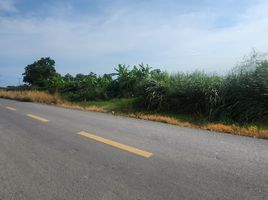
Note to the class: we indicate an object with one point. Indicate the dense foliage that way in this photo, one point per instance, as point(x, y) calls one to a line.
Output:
point(241, 96)
point(38, 72)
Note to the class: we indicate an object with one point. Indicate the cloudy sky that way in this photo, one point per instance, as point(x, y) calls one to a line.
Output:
point(96, 35)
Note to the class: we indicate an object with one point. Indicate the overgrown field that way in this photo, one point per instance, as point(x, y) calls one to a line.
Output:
point(239, 97)
point(127, 107)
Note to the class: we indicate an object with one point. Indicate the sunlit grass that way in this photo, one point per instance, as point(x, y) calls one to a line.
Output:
point(30, 96)
point(127, 107)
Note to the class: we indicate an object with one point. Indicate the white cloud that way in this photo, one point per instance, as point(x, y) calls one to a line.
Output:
point(183, 42)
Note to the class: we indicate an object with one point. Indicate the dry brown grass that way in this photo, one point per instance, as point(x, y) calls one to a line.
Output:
point(251, 131)
point(77, 107)
point(164, 119)
point(32, 96)
point(43, 97)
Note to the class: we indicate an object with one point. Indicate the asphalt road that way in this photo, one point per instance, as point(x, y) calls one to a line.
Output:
point(45, 155)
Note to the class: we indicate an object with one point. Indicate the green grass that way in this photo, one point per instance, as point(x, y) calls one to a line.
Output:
point(119, 105)
point(128, 105)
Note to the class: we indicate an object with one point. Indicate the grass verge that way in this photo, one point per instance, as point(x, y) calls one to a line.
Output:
point(125, 107)
point(46, 98)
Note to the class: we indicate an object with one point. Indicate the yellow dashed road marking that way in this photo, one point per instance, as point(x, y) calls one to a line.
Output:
point(38, 118)
point(124, 147)
point(11, 108)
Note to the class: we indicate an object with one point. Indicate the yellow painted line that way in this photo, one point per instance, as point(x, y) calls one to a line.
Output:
point(11, 108)
point(118, 145)
point(38, 118)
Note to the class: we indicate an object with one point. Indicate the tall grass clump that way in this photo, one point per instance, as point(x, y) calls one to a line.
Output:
point(245, 93)
point(196, 93)
point(155, 91)
point(238, 97)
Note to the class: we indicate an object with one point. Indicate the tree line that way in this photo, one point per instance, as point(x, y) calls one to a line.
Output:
point(240, 96)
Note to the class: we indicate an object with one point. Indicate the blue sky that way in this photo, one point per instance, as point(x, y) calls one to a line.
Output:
point(96, 35)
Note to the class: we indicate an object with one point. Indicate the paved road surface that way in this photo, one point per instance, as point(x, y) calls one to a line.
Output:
point(45, 155)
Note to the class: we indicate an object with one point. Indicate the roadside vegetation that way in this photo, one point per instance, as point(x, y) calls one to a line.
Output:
point(234, 103)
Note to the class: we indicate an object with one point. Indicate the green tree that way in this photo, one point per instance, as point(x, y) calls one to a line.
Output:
point(39, 72)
